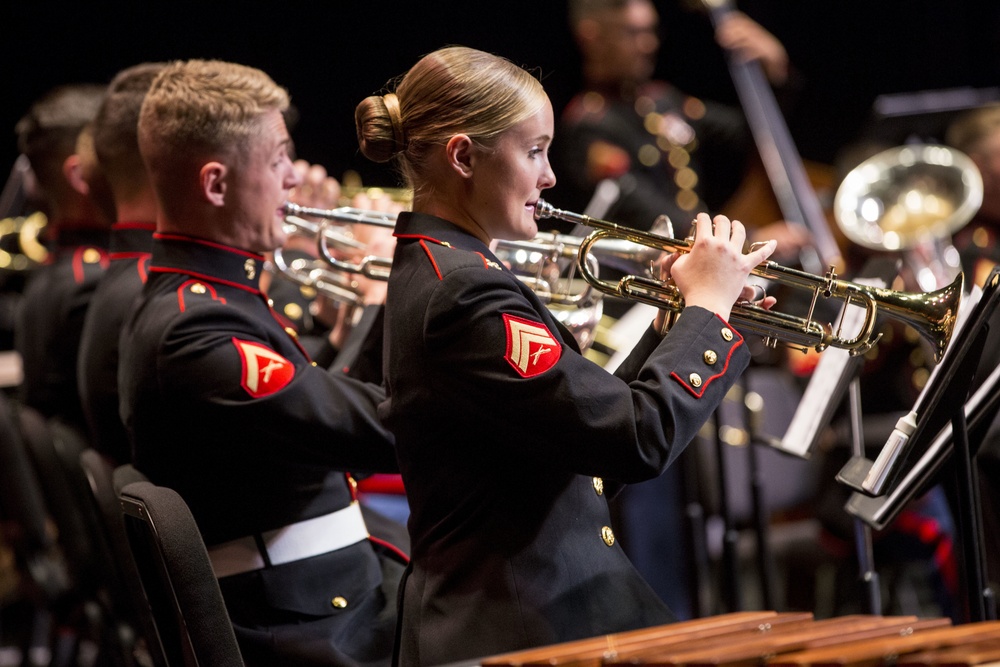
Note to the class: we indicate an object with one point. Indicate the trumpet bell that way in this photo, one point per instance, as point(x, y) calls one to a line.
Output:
point(904, 195)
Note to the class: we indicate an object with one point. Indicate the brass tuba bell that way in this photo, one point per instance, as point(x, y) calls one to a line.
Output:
point(912, 198)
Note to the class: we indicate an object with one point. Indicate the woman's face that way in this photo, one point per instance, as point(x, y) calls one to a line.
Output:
point(508, 180)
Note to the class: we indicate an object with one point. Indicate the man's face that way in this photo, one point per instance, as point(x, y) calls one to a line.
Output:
point(627, 42)
point(262, 178)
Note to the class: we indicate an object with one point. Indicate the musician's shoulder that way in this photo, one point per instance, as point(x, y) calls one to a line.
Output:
point(445, 259)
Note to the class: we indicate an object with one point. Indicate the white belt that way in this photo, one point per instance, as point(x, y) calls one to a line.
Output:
point(312, 537)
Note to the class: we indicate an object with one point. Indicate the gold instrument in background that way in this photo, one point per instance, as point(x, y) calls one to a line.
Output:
point(912, 198)
point(351, 186)
point(931, 314)
point(20, 247)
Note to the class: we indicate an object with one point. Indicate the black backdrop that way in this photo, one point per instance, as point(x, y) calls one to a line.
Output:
point(330, 54)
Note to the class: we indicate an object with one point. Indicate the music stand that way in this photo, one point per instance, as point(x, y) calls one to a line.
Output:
point(946, 402)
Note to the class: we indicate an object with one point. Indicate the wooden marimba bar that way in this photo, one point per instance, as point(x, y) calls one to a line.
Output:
point(771, 639)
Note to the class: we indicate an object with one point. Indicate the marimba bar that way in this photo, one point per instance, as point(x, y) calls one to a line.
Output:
point(759, 639)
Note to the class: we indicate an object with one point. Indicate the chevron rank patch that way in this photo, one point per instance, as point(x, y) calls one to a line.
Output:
point(264, 370)
point(531, 349)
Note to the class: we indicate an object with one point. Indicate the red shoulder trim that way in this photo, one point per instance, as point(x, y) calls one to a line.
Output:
point(190, 284)
point(78, 261)
point(423, 244)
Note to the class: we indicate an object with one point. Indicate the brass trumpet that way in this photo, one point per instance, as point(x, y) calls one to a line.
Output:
point(932, 314)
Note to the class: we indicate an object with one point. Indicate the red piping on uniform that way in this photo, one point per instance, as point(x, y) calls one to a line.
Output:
point(142, 266)
point(420, 237)
point(729, 356)
point(78, 261)
point(391, 547)
point(136, 254)
point(211, 244)
point(486, 262)
point(180, 293)
point(427, 250)
point(206, 278)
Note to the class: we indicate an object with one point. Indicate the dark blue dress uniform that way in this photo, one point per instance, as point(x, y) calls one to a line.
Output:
point(50, 322)
point(505, 434)
point(97, 369)
point(670, 153)
point(222, 404)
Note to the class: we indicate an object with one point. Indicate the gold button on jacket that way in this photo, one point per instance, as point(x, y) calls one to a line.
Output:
point(608, 536)
point(710, 357)
point(727, 335)
point(599, 485)
point(695, 380)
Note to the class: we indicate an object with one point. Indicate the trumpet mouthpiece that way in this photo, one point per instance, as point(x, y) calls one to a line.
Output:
point(543, 209)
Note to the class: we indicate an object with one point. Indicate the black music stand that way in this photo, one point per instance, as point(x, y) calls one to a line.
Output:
point(945, 401)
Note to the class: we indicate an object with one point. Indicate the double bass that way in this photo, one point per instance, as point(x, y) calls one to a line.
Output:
point(786, 173)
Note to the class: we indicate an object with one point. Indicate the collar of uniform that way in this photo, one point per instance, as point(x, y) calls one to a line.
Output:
point(131, 238)
point(206, 260)
point(432, 228)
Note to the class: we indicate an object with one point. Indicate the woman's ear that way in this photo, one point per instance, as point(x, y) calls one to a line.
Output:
point(212, 179)
point(459, 150)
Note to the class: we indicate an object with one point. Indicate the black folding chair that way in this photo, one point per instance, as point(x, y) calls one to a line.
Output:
point(192, 623)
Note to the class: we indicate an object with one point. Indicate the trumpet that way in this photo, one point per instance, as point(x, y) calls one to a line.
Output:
point(528, 259)
point(327, 274)
point(931, 314)
point(537, 262)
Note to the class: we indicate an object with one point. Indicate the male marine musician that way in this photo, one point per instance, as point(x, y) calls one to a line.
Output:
point(223, 405)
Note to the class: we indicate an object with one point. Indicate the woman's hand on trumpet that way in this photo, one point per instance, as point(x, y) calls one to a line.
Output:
point(713, 274)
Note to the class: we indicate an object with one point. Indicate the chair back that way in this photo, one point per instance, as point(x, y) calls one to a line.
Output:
point(192, 623)
point(131, 603)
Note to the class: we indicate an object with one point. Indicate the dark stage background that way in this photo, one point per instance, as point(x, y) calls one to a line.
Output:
point(332, 54)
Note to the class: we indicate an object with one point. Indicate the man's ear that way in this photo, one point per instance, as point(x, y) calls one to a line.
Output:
point(72, 170)
point(213, 182)
point(459, 150)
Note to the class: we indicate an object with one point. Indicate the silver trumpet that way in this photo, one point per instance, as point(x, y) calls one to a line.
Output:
point(328, 275)
point(932, 314)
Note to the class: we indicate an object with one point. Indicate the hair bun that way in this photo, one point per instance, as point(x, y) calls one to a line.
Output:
point(396, 119)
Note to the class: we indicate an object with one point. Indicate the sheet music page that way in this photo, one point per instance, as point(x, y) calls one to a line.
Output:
point(817, 404)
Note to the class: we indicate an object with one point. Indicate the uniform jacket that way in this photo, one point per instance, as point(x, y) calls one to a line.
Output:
point(222, 404)
point(97, 369)
point(651, 145)
point(504, 434)
point(50, 322)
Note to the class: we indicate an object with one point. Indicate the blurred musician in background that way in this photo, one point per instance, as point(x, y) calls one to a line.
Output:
point(50, 321)
point(667, 152)
point(117, 148)
point(504, 431)
point(222, 404)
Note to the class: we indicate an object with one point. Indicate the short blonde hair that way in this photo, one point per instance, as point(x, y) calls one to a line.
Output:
point(205, 106)
point(454, 90)
point(199, 109)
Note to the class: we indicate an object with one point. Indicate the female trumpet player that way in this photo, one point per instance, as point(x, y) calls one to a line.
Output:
point(504, 432)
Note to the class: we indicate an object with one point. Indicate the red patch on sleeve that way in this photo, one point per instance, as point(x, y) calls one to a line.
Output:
point(264, 370)
point(531, 348)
